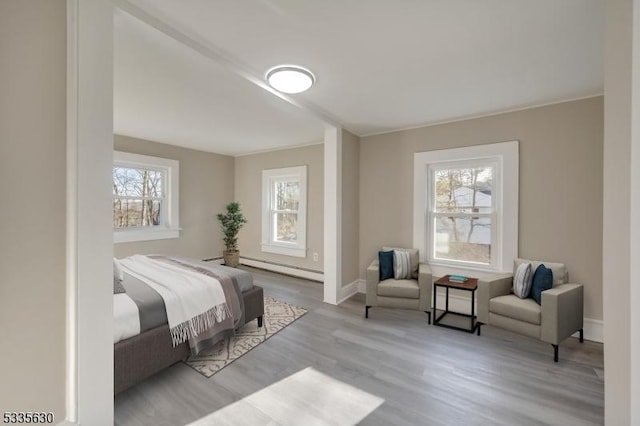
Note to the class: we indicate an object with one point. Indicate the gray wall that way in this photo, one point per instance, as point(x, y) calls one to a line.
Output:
point(560, 204)
point(248, 190)
point(350, 206)
point(206, 186)
point(33, 213)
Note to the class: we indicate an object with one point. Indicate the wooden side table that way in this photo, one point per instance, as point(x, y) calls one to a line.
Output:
point(470, 285)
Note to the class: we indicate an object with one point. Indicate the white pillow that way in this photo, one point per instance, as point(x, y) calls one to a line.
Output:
point(118, 273)
point(522, 281)
point(401, 265)
point(118, 277)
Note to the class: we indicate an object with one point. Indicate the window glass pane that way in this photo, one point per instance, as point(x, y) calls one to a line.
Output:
point(466, 239)
point(464, 190)
point(287, 195)
point(136, 213)
point(286, 227)
point(131, 182)
point(154, 183)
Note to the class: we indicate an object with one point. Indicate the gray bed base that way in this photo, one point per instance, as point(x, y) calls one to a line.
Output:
point(141, 356)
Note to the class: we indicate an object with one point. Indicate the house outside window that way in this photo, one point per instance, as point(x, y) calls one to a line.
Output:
point(466, 207)
point(284, 207)
point(145, 198)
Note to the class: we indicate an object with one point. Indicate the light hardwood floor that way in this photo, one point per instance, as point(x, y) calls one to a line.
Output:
point(426, 375)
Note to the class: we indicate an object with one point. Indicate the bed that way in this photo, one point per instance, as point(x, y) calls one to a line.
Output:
point(144, 344)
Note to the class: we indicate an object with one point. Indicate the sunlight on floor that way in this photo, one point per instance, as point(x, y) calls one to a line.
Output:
point(307, 397)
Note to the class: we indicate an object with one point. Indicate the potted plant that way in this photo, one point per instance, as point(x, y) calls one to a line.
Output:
point(231, 222)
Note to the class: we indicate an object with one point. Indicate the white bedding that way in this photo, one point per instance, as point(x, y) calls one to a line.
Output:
point(194, 301)
point(126, 317)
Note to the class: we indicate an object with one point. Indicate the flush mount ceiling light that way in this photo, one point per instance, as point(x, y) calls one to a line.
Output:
point(290, 78)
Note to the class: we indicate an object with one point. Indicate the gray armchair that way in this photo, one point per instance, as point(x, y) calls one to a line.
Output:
point(556, 318)
point(412, 294)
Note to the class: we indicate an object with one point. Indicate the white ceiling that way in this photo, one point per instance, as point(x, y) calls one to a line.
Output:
point(166, 92)
point(380, 65)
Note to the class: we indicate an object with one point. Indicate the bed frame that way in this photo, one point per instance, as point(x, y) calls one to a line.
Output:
point(141, 356)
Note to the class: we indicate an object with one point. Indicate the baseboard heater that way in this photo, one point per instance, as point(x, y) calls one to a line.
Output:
point(295, 271)
point(281, 268)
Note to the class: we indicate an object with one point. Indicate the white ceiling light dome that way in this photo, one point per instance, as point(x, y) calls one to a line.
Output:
point(290, 78)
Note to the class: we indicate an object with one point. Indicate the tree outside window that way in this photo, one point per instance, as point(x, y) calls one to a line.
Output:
point(138, 197)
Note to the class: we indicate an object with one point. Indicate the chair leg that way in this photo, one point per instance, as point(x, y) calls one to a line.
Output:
point(260, 321)
point(581, 335)
point(555, 352)
point(366, 311)
point(428, 317)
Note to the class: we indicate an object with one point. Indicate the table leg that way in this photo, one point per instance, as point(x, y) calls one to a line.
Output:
point(473, 307)
point(446, 305)
point(435, 287)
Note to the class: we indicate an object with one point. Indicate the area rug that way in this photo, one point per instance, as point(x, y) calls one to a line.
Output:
point(277, 315)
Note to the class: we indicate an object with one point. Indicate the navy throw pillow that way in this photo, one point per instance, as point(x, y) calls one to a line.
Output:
point(385, 259)
point(542, 280)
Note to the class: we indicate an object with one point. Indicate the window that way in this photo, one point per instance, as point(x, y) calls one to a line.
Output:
point(466, 206)
point(462, 211)
point(145, 198)
point(284, 211)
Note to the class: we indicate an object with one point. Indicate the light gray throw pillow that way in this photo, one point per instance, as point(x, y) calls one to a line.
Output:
point(401, 265)
point(522, 281)
point(414, 258)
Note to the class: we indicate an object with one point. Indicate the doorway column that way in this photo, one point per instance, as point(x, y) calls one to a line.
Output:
point(621, 213)
point(332, 213)
point(89, 250)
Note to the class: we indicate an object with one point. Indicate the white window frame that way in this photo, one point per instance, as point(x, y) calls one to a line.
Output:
point(504, 227)
point(170, 226)
point(269, 243)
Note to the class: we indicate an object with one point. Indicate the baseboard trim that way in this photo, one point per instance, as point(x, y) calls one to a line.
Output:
point(349, 290)
point(592, 328)
point(282, 269)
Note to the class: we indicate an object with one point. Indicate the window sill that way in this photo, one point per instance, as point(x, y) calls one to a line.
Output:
point(287, 251)
point(443, 268)
point(145, 235)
